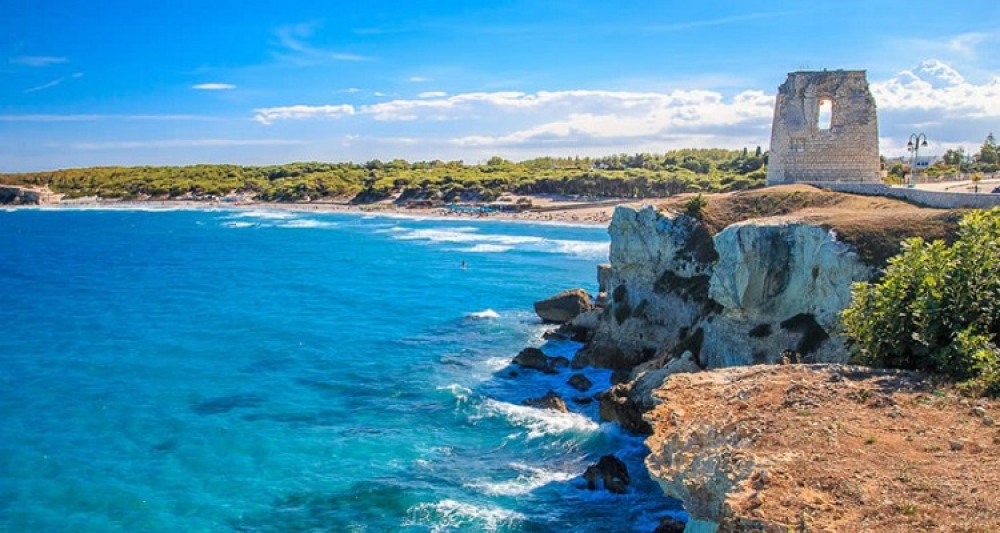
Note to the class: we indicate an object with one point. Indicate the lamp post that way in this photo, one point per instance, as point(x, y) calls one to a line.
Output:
point(913, 146)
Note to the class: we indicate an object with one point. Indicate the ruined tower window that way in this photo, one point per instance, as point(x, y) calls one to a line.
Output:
point(825, 114)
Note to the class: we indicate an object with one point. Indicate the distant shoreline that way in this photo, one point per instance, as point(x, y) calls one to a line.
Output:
point(545, 209)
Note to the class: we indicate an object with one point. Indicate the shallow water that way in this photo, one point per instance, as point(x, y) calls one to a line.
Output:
point(277, 371)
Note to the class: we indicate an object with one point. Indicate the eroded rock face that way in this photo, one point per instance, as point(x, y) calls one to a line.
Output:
point(742, 297)
point(563, 307)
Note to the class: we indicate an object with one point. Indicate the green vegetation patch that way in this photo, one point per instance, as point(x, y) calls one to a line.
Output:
point(936, 308)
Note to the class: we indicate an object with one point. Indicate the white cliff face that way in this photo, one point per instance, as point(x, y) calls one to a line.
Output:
point(755, 290)
point(781, 286)
point(644, 311)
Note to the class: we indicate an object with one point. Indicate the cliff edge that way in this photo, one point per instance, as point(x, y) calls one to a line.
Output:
point(825, 448)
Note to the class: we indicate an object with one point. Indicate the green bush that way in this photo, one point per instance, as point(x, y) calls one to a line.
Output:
point(937, 307)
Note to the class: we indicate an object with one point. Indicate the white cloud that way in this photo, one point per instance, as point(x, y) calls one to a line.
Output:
point(933, 97)
point(181, 143)
point(213, 86)
point(934, 86)
point(37, 61)
point(267, 115)
point(52, 83)
point(966, 44)
point(294, 48)
point(418, 79)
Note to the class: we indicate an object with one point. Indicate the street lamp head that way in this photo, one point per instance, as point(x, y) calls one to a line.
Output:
point(909, 146)
point(924, 143)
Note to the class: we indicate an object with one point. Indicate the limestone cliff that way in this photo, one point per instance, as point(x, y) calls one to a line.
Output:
point(753, 291)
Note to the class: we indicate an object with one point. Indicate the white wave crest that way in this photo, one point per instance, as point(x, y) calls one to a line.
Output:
point(583, 249)
point(487, 249)
point(529, 479)
point(265, 214)
point(449, 515)
point(239, 224)
point(486, 314)
point(495, 243)
point(306, 223)
point(538, 422)
point(458, 391)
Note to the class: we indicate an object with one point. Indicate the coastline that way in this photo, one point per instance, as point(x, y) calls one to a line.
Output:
point(545, 210)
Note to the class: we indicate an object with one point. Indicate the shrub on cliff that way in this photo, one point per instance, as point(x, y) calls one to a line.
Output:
point(937, 307)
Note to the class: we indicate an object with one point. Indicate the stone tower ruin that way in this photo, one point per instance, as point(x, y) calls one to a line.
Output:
point(843, 149)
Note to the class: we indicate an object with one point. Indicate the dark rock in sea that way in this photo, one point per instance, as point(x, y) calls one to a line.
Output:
point(611, 471)
point(532, 358)
point(620, 376)
point(583, 400)
point(580, 382)
point(554, 334)
point(550, 401)
point(617, 405)
point(558, 362)
point(607, 355)
point(669, 524)
point(564, 306)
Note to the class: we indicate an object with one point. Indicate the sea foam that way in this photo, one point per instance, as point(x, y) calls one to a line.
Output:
point(449, 515)
point(538, 422)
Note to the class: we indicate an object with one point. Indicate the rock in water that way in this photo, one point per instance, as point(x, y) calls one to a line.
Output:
point(532, 358)
point(618, 405)
point(611, 471)
point(580, 382)
point(550, 401)
point(564, 306)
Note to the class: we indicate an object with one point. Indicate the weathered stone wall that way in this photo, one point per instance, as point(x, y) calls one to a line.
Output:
point(938, 199)
point(802, 151)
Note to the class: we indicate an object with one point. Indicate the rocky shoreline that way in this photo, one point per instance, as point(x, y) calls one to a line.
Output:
point(685, 295)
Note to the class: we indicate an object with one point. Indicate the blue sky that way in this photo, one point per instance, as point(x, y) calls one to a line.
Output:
point(183, 82)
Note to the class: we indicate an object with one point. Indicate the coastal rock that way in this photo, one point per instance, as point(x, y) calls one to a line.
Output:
point(669, 524)
point(781, 286)
point(742, 297)
point(580, 382)
point(550, 401)
point(608, 355)
point(13, 195)
point(563, 307)
point(612, 474)
point(618, 405)
point(534, 359)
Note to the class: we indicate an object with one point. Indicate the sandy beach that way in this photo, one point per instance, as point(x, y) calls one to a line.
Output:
point(564, 210)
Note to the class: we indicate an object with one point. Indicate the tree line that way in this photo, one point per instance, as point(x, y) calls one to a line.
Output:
point(641, 175)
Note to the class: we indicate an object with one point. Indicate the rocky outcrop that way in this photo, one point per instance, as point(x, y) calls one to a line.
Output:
point(563, 307)
point(551, 401)
point(612, 474)
point(580, 382)
point(12, 195)
point(744, 296)
point(536, 359)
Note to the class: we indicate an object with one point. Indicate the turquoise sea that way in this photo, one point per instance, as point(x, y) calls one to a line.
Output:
point(283, 371)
